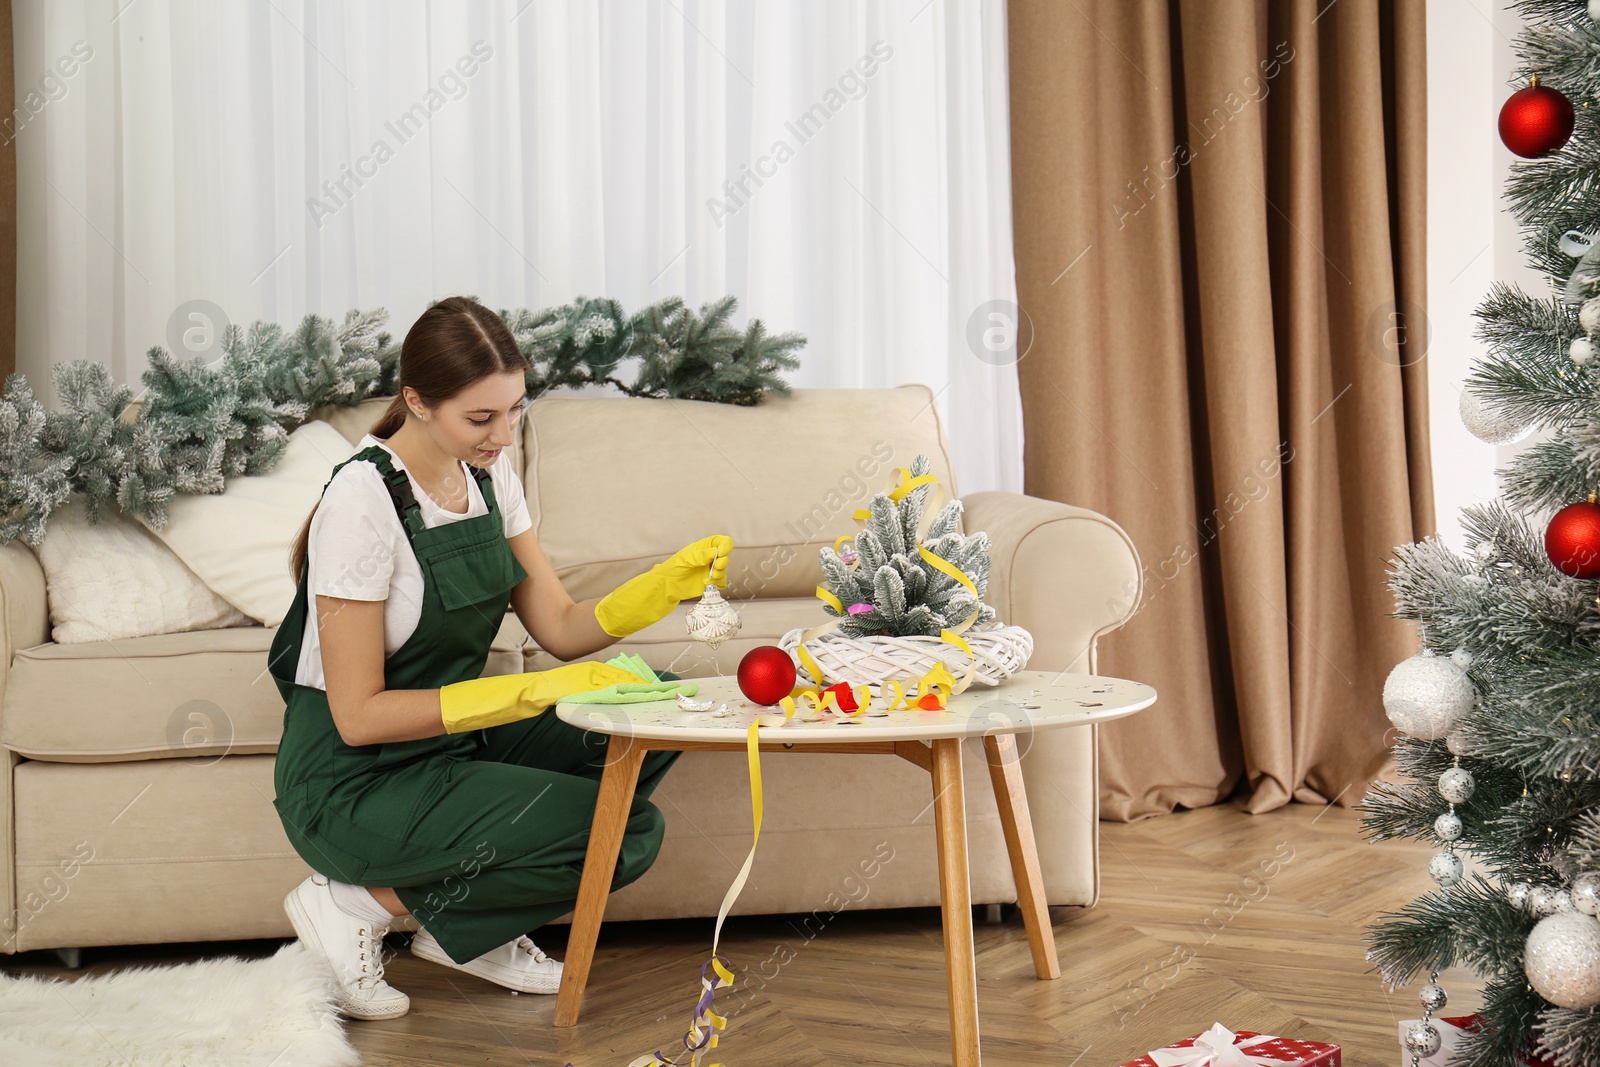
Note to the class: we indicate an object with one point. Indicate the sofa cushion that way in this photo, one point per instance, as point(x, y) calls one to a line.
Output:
point(205, 693)
point(617, 484)
point(238, 540)
point(113, 579)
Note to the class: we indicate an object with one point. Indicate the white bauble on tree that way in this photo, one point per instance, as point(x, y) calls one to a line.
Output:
point(1487, 426)
point(1589, 314)
point(1425, 696)
point(1562, 959)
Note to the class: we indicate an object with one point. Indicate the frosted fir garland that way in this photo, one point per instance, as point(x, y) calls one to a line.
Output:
point(199, 423)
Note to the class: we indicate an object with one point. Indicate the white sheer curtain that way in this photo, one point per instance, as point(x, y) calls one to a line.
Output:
point(843, 169)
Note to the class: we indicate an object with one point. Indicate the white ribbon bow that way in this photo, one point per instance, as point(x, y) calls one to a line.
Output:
point(1585, 279)
point(1217, 1047)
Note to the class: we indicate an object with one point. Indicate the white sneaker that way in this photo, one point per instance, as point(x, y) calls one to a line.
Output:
point(353, 948)
point(519, 964)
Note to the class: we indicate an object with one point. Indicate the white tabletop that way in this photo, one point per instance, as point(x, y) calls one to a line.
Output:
point(1028, 700)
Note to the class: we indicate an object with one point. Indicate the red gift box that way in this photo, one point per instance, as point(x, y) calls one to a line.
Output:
point(1221, 1047)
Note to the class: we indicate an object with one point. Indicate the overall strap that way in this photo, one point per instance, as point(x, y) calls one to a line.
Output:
point(405, 501)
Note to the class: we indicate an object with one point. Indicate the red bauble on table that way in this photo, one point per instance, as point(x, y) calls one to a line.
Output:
point(1536, 121)
point(1572, 540)
point(766, 674)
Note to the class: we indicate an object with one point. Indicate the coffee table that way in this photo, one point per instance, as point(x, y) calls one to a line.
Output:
point(1029, 700)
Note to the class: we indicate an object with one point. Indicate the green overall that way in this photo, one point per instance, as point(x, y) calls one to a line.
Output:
point(481, 834)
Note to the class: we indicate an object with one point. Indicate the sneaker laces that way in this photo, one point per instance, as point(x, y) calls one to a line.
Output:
point(371, 962)
point(525, 943)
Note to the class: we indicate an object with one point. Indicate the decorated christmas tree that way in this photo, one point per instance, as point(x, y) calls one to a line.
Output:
point(1499, 716)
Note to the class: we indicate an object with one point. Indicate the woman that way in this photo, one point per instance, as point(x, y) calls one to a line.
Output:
point(409, 784)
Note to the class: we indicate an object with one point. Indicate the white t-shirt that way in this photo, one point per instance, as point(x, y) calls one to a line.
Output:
point(358, 550)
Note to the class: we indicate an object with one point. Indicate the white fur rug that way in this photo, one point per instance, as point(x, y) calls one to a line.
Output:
point(233, 1011)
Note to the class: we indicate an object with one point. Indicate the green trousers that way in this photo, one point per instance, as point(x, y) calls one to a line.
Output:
point(498, 842)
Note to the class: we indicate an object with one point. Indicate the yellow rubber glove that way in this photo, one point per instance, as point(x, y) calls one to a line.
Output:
point(503, 698)
point(651, 596)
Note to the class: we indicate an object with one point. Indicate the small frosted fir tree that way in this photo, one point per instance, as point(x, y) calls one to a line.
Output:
point(907, 595)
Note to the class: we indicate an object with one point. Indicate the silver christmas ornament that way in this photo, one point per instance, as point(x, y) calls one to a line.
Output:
point(713, 620)
point(1486, 425)
point(1586, 893)
point(1457, 743)
point(1423, 1039)
point(1562, 960)
point(1518, 893)
point(1462, 658)
point(1445, 868)
point(1447, 827)
point(1425, 696)
point(1484, 552)
point(1432, 996)
point(1580, 351)
point(1543, 900)
point(1563, 900)
point(1594, 10)
point(1456, 785)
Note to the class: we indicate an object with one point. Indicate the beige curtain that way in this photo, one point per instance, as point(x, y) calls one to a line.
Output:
point(1219, 215)
point(8, 200)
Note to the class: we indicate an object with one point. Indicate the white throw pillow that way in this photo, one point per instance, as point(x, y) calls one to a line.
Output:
point(111, 580)
point(238, 540)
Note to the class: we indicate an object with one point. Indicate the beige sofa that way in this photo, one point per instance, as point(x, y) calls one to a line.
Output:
point(136, 799)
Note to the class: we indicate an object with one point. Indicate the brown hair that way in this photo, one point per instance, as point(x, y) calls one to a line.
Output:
point(455, 343)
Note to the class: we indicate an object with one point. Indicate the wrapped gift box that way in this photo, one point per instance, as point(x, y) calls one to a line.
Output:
point(1450, 1033)
point(1221, 1047)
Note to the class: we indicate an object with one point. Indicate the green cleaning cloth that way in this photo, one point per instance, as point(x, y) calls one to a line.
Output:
point(653, 688)
point(630, 662)
point(633, 693)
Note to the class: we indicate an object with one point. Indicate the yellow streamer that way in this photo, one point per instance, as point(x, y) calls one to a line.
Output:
point(724, 977)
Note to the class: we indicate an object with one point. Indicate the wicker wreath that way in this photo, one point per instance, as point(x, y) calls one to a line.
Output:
point(1002, 651)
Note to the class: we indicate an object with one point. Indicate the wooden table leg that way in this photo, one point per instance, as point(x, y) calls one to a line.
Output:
point(955, 897)
point(623, 758)
point(1005, 774)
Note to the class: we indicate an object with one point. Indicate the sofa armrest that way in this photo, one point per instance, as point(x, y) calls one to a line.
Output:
point(1066, 575)
point(24, 613)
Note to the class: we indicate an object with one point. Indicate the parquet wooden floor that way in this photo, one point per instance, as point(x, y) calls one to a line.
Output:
point(1205, 916)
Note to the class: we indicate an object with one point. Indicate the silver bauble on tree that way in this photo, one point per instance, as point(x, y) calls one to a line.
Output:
point(1486, 425)
point(1425, 696)
point(1562, 959)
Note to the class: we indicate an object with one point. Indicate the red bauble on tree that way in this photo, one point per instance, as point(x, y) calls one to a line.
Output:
point(1572, 540)
point(1536, 121)
point(766, 674)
